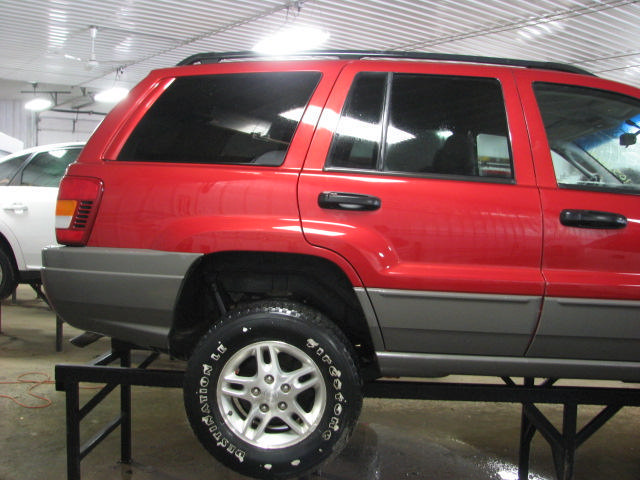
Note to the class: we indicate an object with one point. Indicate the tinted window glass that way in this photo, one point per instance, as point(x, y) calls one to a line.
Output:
point(434, 125)
point(238, 118)
point(447, 125)
point(47, 168)
point(357, 140)
point(9, 168)
point(592, 135)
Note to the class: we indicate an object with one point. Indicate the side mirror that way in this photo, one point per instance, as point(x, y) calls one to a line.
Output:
point(628, 139)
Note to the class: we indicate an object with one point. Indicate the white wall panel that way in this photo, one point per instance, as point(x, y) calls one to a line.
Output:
point(17, 122)
point(55, 127)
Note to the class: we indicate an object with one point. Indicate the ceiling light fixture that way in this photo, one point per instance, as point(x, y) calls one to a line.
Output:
point(38, 104)
point(115, 93)
point(111, 95)
point(291, 40)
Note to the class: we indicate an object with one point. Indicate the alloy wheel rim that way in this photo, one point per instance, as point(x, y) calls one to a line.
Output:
point(271, 394)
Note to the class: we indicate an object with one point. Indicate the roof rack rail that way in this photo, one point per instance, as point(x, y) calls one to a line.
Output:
point(217, 57)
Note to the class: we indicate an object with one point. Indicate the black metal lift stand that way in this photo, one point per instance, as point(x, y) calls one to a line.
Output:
point(563, 442)
point(68, 378)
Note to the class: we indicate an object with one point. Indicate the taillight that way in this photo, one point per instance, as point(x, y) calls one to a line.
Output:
point(78, 200)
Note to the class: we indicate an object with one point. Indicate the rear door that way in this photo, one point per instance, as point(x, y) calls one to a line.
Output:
point(421, 177)
point(587, 160)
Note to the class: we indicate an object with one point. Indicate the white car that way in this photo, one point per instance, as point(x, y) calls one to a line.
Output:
point(29, 182)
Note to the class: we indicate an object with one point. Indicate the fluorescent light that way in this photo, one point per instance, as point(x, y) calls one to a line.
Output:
point(112, 95)
point(38, 104)
point(291, 40)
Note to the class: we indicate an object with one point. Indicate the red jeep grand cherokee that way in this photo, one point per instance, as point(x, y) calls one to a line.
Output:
point(295, 228)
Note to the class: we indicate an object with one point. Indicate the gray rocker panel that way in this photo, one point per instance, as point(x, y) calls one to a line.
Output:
point(399, 364)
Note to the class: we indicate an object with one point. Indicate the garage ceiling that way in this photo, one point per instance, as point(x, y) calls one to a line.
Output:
point(48, 42)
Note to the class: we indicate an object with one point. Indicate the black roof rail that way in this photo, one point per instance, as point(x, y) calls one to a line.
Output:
point(217, 57)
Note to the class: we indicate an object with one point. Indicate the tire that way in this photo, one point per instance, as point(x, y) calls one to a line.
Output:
point(273, 391)
point(8, 275)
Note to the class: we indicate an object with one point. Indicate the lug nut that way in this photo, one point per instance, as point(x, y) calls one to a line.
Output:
point(269, 379)
point(255, 391)
point(264, 408)
point(286, 388)
point(282, 406)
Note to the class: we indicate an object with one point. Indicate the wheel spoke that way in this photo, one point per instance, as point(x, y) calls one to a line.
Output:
point(293, 421)
point(253, 413)
point(263, 366)
point(263, 418)
point(240, 380)
point(296, 375)
point(232, 392)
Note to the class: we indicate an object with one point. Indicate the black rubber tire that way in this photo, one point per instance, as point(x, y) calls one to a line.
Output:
point(295, 329)
point(8, 275)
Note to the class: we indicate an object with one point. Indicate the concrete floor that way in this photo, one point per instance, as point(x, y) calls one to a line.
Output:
point(394, 439)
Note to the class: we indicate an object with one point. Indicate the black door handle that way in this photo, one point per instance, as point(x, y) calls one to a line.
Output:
point(592, 219)
point(348, 201)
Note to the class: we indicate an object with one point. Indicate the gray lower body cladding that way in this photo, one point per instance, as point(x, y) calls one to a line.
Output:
point(131, 295)
point(126, 294)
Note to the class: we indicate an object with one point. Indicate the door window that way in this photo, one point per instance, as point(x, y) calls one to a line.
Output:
point(592, 135)
point(424, 125)
point(357, 140)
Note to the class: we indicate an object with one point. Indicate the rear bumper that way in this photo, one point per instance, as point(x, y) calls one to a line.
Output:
point(126, 294)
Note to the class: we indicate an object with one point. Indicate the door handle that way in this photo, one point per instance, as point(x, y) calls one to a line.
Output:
point(592, 219)
point(17, 207)
point(348, 201)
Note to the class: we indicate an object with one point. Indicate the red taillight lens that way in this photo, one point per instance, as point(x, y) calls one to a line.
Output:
point(78, 200)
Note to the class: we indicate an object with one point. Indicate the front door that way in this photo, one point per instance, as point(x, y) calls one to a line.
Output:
point(589, 174)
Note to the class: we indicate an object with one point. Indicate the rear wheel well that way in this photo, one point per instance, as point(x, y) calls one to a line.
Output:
point(8, 269)
point(6, 247)
point(223, 281)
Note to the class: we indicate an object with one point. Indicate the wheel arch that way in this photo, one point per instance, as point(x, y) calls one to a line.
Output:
point(222, 281)
point(6, 246)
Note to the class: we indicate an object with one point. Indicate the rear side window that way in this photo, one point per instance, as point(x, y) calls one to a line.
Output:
point(592, 135)
point(47, 168)
point(424, 124)
point(227, 119)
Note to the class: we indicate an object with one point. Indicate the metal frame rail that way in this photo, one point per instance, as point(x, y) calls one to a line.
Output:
point(563, 442)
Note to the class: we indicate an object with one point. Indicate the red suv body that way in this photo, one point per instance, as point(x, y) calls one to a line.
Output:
point(445, 217)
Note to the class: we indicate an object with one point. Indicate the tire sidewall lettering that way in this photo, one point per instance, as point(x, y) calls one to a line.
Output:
point(336, 400)
point(205, 406)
